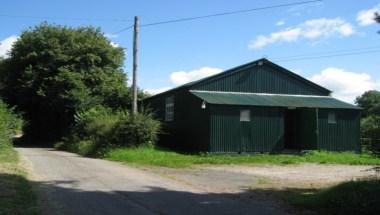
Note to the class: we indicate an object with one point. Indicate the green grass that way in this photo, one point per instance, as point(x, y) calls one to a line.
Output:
point(16, 194)
point(348, 198)
point(161, 157)
point(7, 154)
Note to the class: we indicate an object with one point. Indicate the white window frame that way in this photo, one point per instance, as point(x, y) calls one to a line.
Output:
point(245, 115)
point(169, 108)
point(331, 117)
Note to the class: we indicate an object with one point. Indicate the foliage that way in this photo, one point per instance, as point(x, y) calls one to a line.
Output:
point(370, 123)
point(100, 128)
point(10, 124)
point(135, 130)
point(55, 71)
point(370, 102)
point(93, 129)
point(161, 157)
point(354, 197)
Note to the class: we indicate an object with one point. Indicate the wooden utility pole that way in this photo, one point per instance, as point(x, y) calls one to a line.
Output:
point(134, 78)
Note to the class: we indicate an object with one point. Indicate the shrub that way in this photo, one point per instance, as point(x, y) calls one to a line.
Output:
point(92, 130)
point(370, 129)
point(10, 124)
point(96, 123)
point(136, 130)
point(99, 128)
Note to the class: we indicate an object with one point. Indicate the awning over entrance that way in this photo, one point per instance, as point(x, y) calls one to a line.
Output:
point(274, 100)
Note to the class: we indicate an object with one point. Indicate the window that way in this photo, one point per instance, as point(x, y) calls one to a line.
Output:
point(169, 108)
point(245, 115)
point(331, 118)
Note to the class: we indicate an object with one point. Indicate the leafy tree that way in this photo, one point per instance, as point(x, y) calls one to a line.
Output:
point(370, 102)
point(55, 71)
point(370, 122)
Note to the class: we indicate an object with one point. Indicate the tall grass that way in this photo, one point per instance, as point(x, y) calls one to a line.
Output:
point(348, 198)
point(16, 194)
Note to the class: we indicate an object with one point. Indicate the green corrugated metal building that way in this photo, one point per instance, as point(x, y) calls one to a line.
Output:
point(256, 107)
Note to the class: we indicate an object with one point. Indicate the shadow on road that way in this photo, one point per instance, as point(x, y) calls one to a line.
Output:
point(61, 198)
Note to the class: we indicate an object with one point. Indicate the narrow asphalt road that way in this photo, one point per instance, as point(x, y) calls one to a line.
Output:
point(70, 184)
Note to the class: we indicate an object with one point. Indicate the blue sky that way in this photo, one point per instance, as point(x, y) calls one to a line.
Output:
point(175, 53)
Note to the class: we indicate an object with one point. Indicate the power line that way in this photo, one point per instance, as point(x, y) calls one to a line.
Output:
point(64, 18)
point(327, 52)
point(221, 14)
point(124, 29)
point(328, 56)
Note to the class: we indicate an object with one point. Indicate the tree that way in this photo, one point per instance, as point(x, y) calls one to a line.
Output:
point(370, 102)
point(55, 71)
point(370, 122)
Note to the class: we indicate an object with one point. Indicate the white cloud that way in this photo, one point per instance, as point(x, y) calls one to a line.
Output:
point(6, 45)
point(345, 85)
point(157, 90)
point(311, 29)
point(113, 44)
point(183, 77)
point(367, 17)
point(280, 23)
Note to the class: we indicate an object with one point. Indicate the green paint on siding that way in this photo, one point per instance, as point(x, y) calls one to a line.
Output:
point(263, 133)
point(260, 79)
point(341, 136)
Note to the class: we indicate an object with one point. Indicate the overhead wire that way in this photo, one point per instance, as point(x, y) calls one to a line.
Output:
point(186, 19)
point(327, 56)
point(369, 48)
point(64, 18)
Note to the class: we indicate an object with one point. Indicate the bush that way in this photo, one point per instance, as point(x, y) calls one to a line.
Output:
point(137, 130)
point(370, 129)
point(92, 131)
point(99, 128)
point(10, 124)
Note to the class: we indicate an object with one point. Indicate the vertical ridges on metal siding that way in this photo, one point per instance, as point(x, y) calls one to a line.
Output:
point(260, 79)
point(342, 136)
point(265, 129)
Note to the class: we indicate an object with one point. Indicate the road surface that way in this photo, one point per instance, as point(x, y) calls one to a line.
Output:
point(71, 184)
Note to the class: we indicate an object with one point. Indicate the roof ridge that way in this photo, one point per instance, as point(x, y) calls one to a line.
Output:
point(266, 94)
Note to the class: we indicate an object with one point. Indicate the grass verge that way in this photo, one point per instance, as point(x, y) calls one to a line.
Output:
point(162, 157)
point(348, 198)
point(16, 194)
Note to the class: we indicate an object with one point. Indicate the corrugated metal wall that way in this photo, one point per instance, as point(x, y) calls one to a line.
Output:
point(260, 79)
point(265, 131)
point(262, 134)
point(341, 136)
point(189, 131)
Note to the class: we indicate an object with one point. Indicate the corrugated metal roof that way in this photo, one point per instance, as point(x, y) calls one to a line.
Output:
point(274, 100)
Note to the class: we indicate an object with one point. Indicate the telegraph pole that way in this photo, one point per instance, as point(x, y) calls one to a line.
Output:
point(134, 78)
